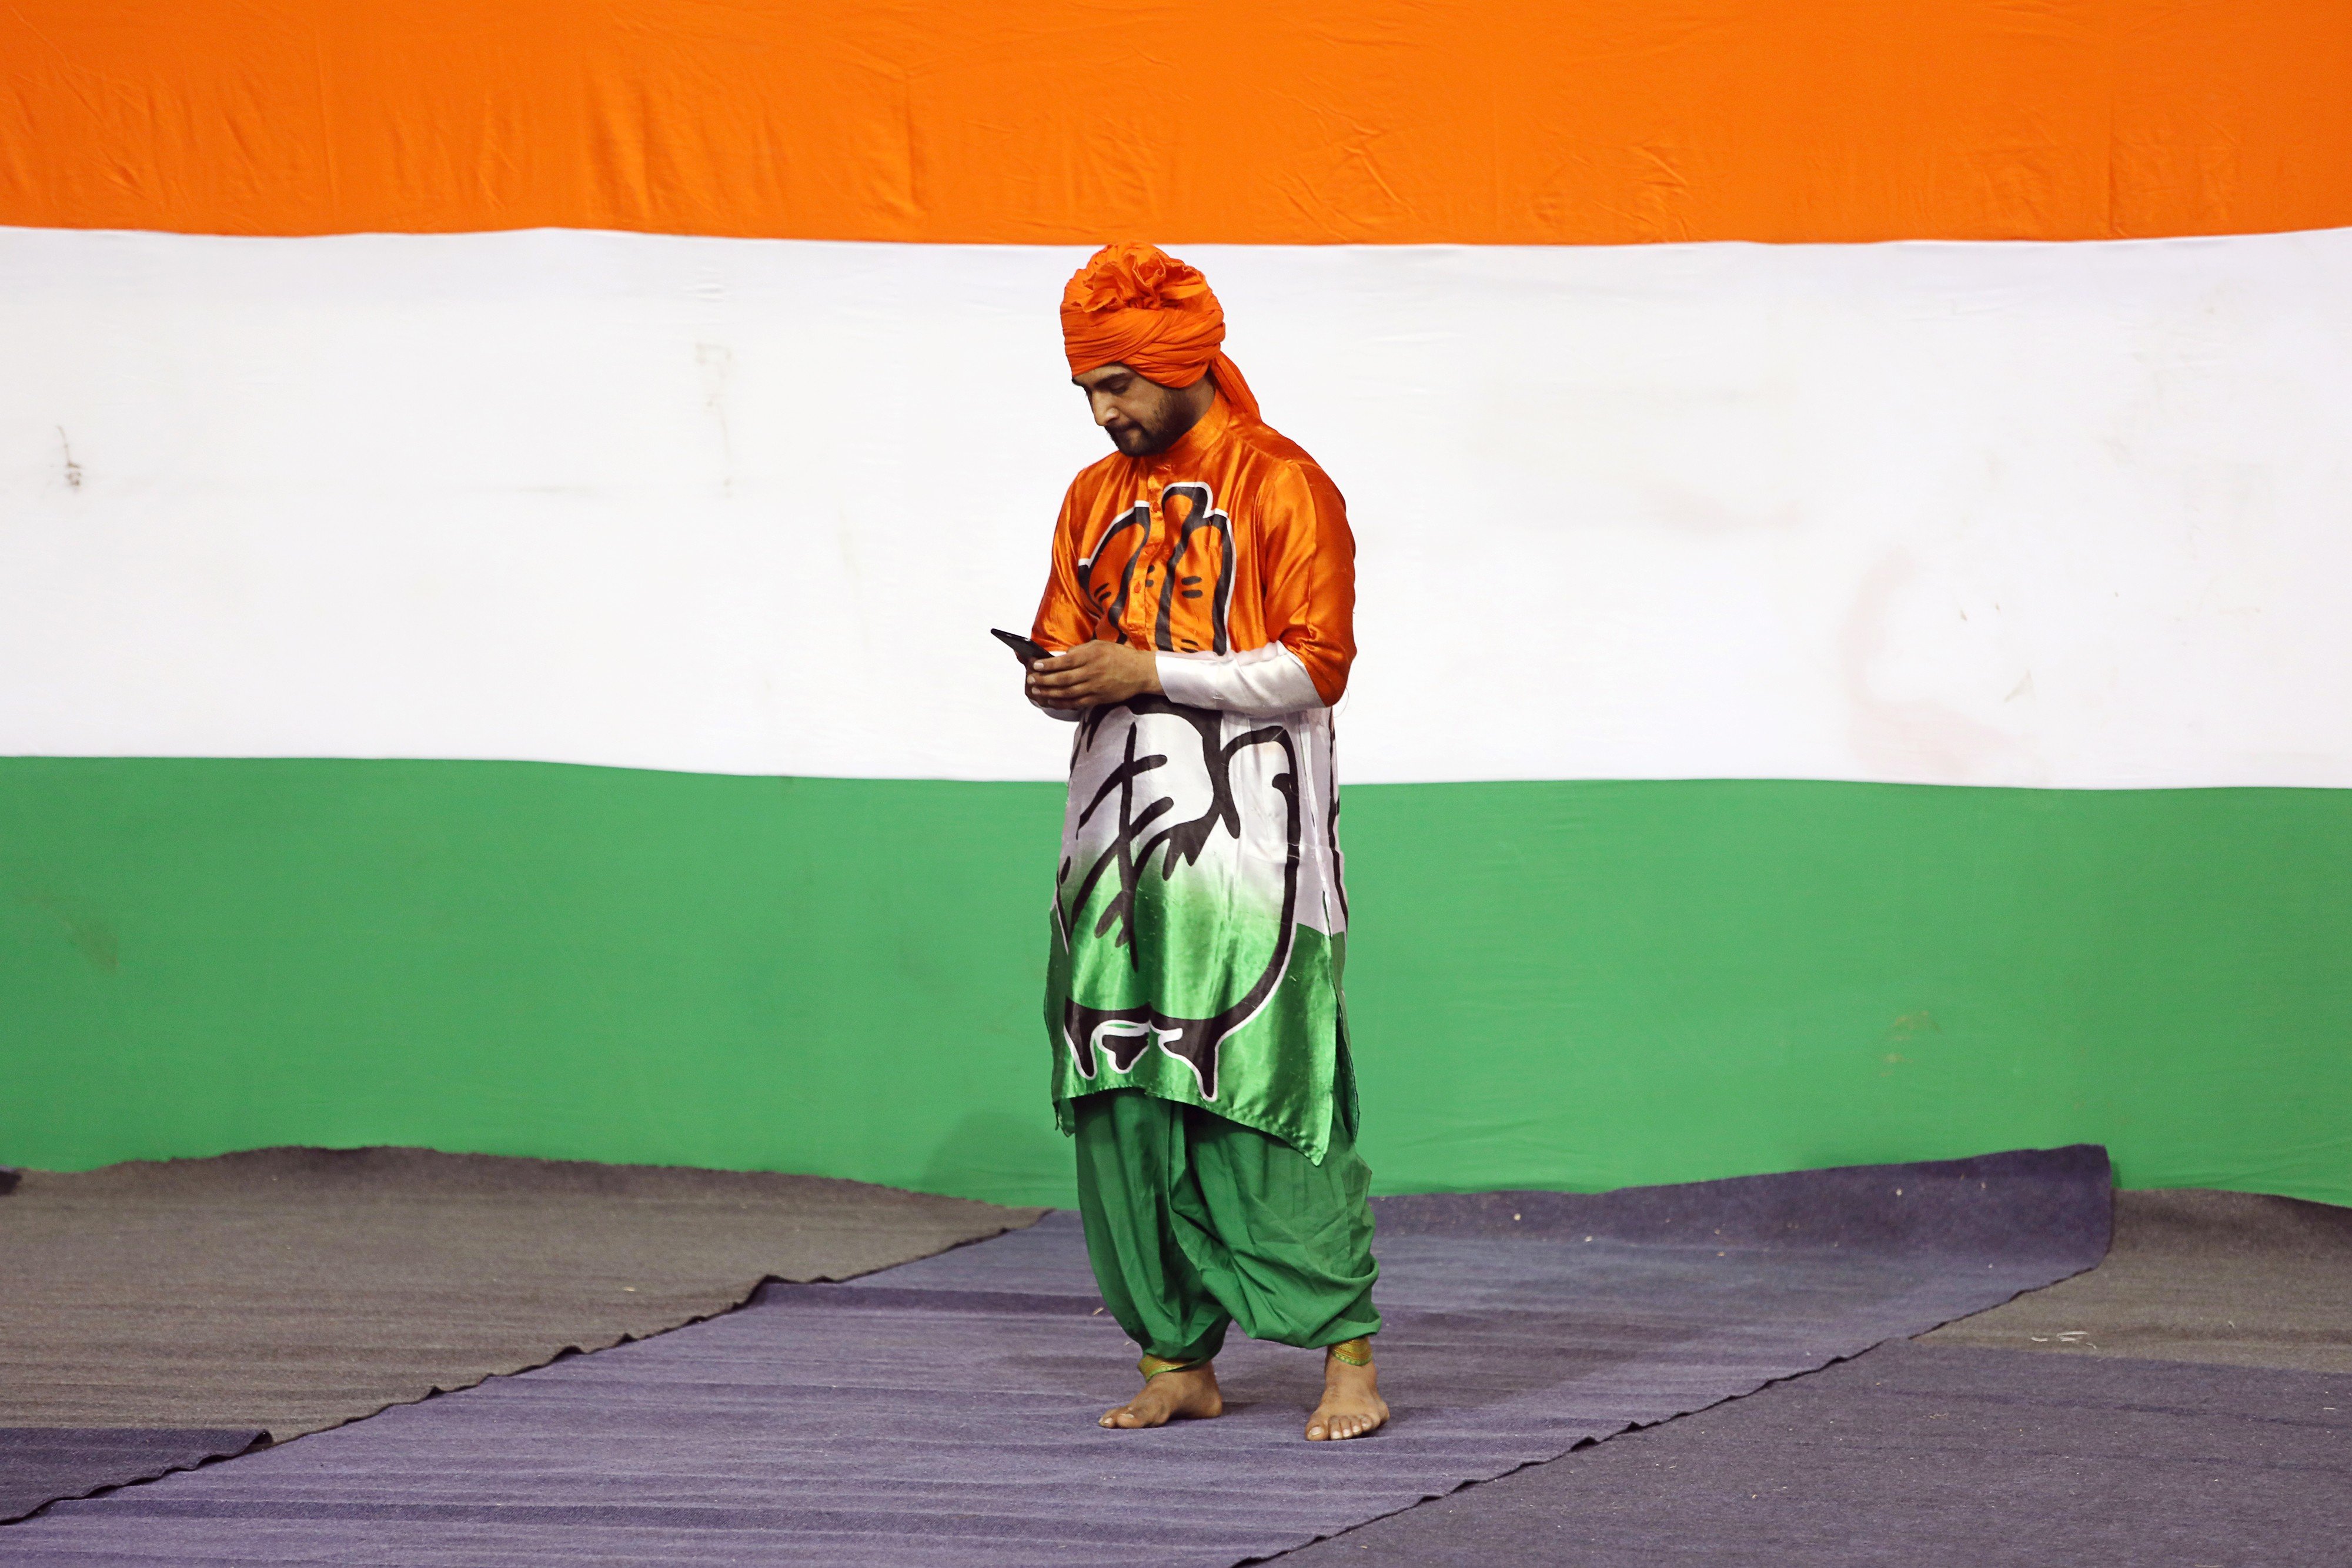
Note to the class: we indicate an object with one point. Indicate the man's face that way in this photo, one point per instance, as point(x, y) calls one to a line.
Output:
point(1139, 416)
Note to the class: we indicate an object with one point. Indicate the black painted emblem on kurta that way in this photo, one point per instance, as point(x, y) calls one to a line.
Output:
point(1139, 832)
point(1199, 516)
point(1182, 577)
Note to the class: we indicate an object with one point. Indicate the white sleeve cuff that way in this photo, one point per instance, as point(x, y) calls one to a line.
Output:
point(1261, 681)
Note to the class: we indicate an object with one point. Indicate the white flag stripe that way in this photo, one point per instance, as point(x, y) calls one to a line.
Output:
point(2056, 515)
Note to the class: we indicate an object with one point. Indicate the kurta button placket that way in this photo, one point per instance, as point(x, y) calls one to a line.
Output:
point(1155, 551)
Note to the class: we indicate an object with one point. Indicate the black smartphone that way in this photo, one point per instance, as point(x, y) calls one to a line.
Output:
point(1025, 651)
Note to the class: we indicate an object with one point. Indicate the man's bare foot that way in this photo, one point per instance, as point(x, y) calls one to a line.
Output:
point(1187, 1396)
point(1351, 1406)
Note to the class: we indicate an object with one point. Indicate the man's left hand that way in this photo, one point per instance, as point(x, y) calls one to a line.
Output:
point(1092, 675)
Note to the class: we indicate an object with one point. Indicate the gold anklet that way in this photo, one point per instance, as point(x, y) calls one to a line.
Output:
point(1152, 1367)
point(1357, 1351)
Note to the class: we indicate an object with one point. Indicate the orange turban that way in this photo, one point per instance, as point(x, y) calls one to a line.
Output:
point(1136, 305)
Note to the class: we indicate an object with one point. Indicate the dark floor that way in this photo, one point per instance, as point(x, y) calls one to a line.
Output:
point(2229, 1278)
point(2188, 1402)
point(1929, 1455)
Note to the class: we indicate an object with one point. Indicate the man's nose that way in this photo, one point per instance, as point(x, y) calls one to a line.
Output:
point(1102, 407)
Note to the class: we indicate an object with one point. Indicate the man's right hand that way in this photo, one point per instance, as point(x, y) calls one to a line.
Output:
point(1092, 675)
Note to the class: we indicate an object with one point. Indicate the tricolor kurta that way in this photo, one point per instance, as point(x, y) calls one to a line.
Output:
point(1199, 921)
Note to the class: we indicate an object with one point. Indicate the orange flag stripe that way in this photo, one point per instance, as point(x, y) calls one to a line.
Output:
point(1392, 121)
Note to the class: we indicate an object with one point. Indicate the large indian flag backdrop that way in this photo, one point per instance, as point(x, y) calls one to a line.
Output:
point(502, 507)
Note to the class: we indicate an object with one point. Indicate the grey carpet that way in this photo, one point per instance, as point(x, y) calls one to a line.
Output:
point(943, 1412)
point(39, 1464)
point(2231, 1278)
point(288, 1289)
point(1928, 1457)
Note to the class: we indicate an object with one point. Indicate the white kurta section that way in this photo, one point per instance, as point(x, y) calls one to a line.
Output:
point(2073, 514)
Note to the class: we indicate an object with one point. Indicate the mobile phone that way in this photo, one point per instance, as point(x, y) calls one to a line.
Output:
point(1025, 651)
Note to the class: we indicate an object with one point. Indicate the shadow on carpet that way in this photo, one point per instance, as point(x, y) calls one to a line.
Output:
point(943, 1412)
point(159, 1313)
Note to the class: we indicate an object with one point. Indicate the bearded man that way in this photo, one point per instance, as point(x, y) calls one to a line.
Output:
point(1201, 610)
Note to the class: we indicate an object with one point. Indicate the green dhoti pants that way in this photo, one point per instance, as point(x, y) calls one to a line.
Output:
point(1194, 1222)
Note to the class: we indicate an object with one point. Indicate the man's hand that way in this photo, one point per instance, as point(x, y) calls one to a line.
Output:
point(1092, 675)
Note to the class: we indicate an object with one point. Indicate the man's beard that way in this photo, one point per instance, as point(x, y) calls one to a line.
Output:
point(1141, 440)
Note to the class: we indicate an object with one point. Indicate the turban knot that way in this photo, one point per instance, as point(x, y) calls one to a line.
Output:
point(1137, 306)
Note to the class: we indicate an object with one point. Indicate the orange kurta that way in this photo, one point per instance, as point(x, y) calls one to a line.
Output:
point(1231, 538)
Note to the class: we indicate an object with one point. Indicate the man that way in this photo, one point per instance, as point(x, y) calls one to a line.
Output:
point(1202, 597)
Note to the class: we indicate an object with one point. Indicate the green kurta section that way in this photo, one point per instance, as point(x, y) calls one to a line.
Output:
point(1189, 956)
point(1191, 953)
point(1550, 985)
